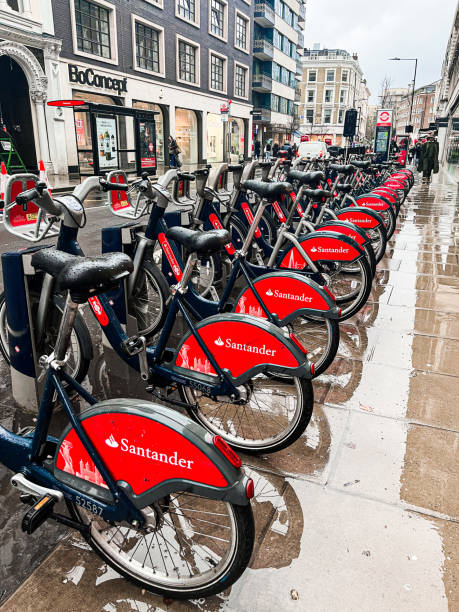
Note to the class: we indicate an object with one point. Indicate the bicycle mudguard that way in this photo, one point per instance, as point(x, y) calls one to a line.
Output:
point(322, 246)
point(365, 218)
point(345, 228)
point(373, 201)
point(387, 193)
point(150, 452)
point(243, 346)
point(288, 295)
point(119, 201)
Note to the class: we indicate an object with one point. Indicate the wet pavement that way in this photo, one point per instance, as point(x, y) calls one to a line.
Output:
point(362, 511)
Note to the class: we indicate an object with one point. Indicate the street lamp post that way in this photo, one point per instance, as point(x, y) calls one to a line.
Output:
point(409, 59)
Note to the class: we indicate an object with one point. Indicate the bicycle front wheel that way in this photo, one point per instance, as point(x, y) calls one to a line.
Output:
point(272, 416)
point(189, 547)
point(148, 300)
point(79, 353)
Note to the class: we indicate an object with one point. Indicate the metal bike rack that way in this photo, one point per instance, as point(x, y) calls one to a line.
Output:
point(17, 276)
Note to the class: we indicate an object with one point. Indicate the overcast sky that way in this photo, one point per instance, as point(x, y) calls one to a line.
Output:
point(379, 30)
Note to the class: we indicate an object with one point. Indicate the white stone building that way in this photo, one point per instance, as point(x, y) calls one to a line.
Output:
point(332, 83)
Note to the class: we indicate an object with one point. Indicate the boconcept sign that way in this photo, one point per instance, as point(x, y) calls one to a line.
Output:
point(89, 77)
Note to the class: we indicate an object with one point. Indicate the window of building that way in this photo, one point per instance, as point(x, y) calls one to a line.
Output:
point(277, 39)
point(275, 103)
point(240, 81)
point(147, 47)
point(328, 95)
point(310, 115)
point(330, 76)
point(283, 106)
point(217, 72)
point(92, 24)
point(312, 76)
point(279, 7)
point(218, 19)
point(241, 32)
point(276, 72)
point(188, 61)
point(327, 115)
point(311, 96)
point(341, 115)
point(188, 10)
point(343, 96)
point(345, 76)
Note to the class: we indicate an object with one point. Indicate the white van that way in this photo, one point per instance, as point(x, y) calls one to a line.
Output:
point(313, 149)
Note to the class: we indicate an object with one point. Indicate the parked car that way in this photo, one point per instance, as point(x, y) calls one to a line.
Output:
point(313, 149)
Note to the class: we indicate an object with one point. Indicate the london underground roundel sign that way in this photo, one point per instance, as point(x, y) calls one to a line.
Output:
point(384, 117)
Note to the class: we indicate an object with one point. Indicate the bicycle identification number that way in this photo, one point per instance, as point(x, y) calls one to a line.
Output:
point(88, 505)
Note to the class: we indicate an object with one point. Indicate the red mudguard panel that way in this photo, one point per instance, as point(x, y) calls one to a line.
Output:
point(359, 218)
point(138, 450)
point(386, 193)
point(236, 346)
point(19, 216)
point(320, 248)
point(342, 229)
point(119, 199)
point(281, 295)
point(374, 202)
point(395, 184)
point(216, 223)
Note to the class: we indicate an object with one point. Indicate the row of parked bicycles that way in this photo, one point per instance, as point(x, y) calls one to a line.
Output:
point(259, 275)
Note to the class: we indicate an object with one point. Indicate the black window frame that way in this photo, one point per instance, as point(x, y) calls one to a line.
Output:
point(217, 70)
point(91, 20)
point(238, 30)
point(146, 60)
point(187, 9)
point(215, 11)
point(190, 68)
point(240, 77)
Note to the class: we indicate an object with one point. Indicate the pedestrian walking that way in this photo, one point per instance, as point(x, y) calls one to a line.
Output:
point(257, 149)
point(294, 149)
point(275, 149)
point(429, 159)
point(268, 151)
point(174, 153)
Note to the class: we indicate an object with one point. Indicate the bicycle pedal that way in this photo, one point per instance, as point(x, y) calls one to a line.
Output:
point(134, 345)
point(37, 514)
point(259, 259)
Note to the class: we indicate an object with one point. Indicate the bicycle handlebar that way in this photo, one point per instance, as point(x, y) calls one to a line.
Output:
point(106, 186)
point(186, 176)
point(42, 198)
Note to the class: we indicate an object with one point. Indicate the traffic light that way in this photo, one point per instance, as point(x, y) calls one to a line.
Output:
point(350, 123)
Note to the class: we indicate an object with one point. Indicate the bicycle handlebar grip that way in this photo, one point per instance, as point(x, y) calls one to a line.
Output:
point(106, 186)
point(186, 176)
point(27, 196)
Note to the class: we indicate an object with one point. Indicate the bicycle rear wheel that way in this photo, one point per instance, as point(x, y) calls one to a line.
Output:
point(190, 546)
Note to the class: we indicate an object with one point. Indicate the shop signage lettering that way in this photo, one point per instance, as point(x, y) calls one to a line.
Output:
point(93, 79)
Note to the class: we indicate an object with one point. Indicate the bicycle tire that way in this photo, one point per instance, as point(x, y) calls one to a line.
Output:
point(291, 433)
point(80, 330)
point(244, 533)
point(355, 300)
point(149, 273)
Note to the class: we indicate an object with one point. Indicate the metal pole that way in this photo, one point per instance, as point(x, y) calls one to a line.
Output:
point(414, 87)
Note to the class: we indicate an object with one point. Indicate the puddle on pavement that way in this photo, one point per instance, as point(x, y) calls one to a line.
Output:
point(317, 503)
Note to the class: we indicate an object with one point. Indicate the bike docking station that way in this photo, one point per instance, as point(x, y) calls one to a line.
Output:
point(19, 278)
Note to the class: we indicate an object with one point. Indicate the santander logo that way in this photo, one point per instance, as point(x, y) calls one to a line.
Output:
point(111, 442)
point(148, 453)
point(321, 249)
point(246, 348)
point(289, 296)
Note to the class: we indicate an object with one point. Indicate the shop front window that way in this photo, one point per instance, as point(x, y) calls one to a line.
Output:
point(237, 139)
point(215, 131)
point(186, 134)
point(159, 121)
point(83, 128)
